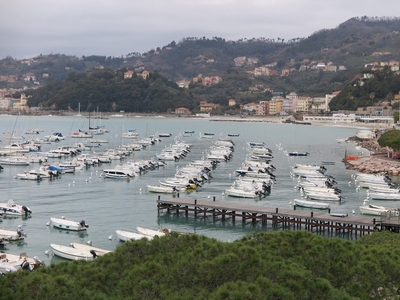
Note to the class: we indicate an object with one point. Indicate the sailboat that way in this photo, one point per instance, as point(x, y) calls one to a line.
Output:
point(79, 111)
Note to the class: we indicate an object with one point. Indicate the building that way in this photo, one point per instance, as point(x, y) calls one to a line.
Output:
point(251, 107)
point(231, 102)
point(128, 74)
point(21, 104)
point(303, 104)
point(207, 107)
point(275, 106)
point(182, 111)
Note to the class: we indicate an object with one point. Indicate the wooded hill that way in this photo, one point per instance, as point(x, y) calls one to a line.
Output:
point(351, 44)
point(277, 265)
point(109, 91)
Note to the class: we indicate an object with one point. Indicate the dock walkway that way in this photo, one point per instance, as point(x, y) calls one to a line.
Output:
point(280, 218)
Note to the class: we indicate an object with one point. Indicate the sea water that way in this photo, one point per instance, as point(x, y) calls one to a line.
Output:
point(107, 204)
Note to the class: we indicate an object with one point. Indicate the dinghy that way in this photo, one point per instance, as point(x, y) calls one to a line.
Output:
point(69, 224)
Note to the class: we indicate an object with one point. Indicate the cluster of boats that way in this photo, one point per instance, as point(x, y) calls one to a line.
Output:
point(195, 173)
point(315, 186)
point(379, 187)
point(255, 177)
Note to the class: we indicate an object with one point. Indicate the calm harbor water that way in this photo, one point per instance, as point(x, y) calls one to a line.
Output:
point(107, 205)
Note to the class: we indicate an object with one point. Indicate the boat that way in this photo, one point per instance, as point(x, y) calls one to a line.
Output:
point(71, 253)
point(150, 232)
point(161, 189)
point(311, 204)
point(207, 135)
point(27, 176)
point(296, 153)
point(189, 131)
point(11, 235)
point(327, 163)
point(81, 134)
point(14, 161)
point(99, 251)
point(164, 134)
point(130, 134)
point(383, 196)
point(55, 137)
point(62, 223)
point(128, 236)
point(10, 208)
point(12, 262)
point(119, 173)
point(233, 134)
point(374, 210)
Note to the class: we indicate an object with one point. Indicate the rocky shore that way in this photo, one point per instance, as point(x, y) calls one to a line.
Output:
point(377, 162)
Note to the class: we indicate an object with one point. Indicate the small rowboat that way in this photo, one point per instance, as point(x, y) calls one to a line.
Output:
point(128, 236)
point(150, 232)
point(69, 224)
point(99, 251)
point(161, 189)
point(311, 204)
point(72, 253)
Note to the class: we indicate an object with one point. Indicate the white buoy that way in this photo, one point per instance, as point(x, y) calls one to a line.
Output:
point(48, 223)
point(89, 242)
point(47, 252)
point(110, 237)
point(71, 244)
point(62, 217)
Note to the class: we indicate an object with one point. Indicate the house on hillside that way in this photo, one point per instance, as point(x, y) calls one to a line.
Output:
point(182, 111)
point(207, 107)
point(128, 74)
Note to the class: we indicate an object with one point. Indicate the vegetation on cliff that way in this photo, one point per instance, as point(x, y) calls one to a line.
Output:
point(390, 139)
point(107, 90)
point(277, 265)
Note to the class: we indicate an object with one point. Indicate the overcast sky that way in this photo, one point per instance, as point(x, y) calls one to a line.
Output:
point(118, 27)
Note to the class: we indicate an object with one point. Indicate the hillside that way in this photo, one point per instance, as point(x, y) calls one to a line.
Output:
point(274, 265)
point(350, 46)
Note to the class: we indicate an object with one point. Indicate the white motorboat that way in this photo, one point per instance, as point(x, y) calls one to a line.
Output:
point(81, 134)
point(16, 148)
point(383, 196)
point(119, 173)
point(374, 210)
point(324, 196)
point(10, 208)
point(55, 137)
point(14, 161)
point(27, 176)
point(207, 135)
point(11, 235)
point(311, 204)
point(127, 235)
point(161, 189)
point(68, 224)
point(130, 134)
point(98, 251)
point(72, 253)
point(242, 193)
point(13, 262)
point(149, 232)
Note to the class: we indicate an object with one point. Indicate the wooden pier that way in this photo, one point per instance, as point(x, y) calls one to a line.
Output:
point(279, 218)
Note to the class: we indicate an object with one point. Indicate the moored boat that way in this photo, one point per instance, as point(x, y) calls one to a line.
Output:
point(161, 189)
point(98, 251)
point(127, 235)
point(150, 232)
point(68, 224)
point(311, 204)
point(72, 253)
point(10, 208)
